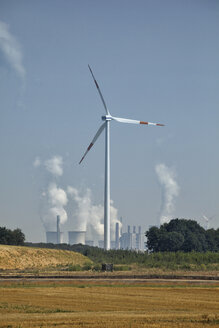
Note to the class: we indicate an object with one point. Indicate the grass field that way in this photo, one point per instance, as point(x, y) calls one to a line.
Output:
point(108, 304)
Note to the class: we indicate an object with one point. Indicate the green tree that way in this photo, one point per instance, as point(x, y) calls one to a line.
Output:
point(171, 241)
point(153, 239)
point(11, 237)
point(178, 235)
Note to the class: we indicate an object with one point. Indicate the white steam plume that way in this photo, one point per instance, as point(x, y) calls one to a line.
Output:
point(82, 211)
point(12, 50)
point(170, 190)
point(54, 165)
point(53, 199)
point(56, 199)
point(89, 217)
point(86, 215)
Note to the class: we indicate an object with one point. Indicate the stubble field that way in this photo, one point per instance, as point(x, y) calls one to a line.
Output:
point(108, 304)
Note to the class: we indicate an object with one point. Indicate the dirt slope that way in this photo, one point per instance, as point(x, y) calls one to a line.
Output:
point(21, 258)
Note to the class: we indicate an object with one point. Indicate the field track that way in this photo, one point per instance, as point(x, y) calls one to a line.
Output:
point(102, 276)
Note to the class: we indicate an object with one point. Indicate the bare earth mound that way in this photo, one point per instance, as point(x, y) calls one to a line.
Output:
point(22, 258)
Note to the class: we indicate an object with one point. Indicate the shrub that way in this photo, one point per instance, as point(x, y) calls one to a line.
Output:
point(72, 267)
point(86, 267)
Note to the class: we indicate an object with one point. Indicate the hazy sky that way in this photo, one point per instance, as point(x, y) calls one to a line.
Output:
point(154, 60)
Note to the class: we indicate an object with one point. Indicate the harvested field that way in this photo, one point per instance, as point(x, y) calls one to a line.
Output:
point(108, 304)
point(25, 258)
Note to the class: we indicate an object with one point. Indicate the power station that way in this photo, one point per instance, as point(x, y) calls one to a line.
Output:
point(123, 240)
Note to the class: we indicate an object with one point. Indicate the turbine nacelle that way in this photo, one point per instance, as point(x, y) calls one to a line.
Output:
point(106, 118)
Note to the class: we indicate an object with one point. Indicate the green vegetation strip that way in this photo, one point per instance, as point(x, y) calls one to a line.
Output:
point(108, 285)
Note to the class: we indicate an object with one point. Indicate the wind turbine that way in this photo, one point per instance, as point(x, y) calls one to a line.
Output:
point(207, 219)
point(106, 125)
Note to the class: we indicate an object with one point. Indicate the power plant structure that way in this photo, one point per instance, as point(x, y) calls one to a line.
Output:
point(55, 237)
point(128, 240)
point(117, 236)
point(76, 237)
point(123, 240)
point(132, 240)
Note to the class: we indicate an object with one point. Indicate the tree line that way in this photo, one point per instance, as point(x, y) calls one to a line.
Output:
point(182, 235)
point(11, 237)
point(177, 235)
point(179, 244)
point(125, 259)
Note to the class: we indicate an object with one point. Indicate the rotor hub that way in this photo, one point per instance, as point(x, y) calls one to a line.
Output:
point(107, 118)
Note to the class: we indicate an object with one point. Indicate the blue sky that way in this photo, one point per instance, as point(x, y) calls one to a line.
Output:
point(154, 60)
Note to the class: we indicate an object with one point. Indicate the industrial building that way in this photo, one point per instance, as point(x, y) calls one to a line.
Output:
point(132, 240)
point(128, 240)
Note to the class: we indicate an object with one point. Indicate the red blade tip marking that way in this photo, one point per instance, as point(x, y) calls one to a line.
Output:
point(91, 145)
point(142, 122)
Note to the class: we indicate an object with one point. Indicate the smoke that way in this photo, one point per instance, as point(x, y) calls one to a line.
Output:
point(53, 198)
point(54, 166)
point(11, 50)
point(86, 216)
point(82, 208)
point(56, 199)
point(170, 190)
point(90, 217)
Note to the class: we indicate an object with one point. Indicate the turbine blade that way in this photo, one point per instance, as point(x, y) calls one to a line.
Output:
point(94, 140)
point(98, 88)
point(125, 120)
point(205, 217)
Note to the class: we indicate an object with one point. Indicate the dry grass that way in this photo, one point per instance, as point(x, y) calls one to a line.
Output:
point(109, 305)
point(24, 258)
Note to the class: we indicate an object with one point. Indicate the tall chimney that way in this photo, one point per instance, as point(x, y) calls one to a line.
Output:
point(121, 226)
point(117, 236)
point(58, 229)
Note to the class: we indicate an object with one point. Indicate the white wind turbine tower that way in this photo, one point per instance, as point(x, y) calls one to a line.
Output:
point(107, 119)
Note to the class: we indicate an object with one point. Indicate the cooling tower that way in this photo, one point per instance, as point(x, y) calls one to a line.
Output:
point(76, 237)
point(53, 238)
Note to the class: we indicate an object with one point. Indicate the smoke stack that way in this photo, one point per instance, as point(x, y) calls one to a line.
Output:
point(129, 229)
point(134, 229)
point(58, 229)
point(117, 236)
point(121, 226)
